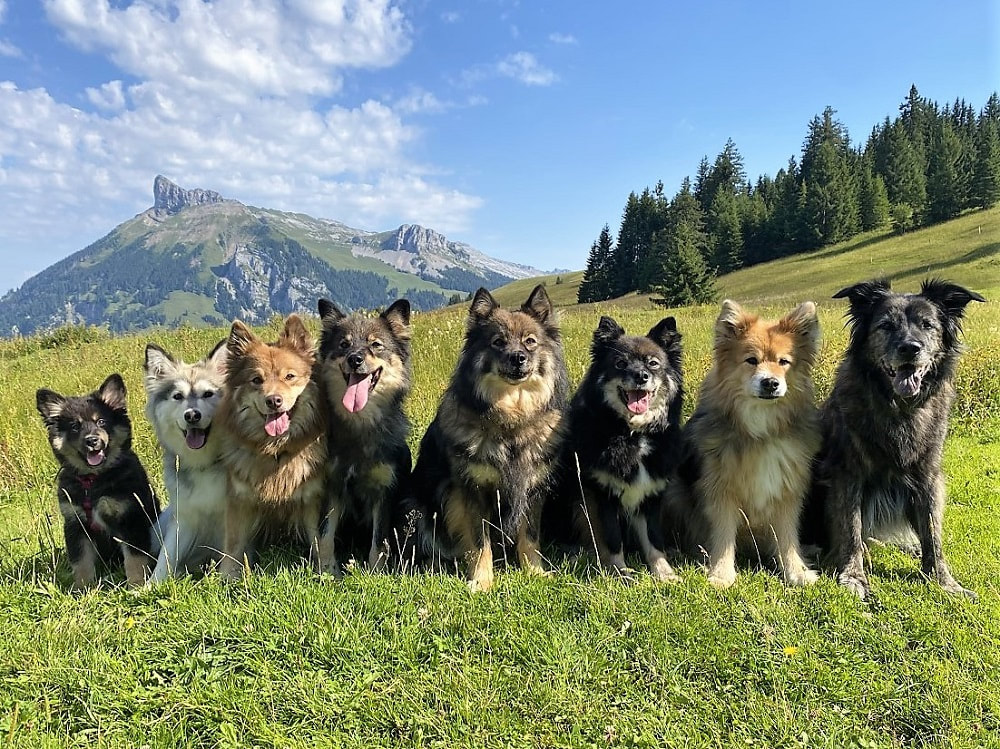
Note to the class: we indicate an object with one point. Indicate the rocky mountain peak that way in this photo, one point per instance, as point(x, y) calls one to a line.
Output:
point(170, 198)
point(413, 238)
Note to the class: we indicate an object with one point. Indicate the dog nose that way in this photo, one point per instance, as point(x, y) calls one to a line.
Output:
point(273, 402)
point(769, 385)
point(909, 348)
point(356, 360)
point(92, 441)
point(192, 416)
point(519, 358)
point(642, 376)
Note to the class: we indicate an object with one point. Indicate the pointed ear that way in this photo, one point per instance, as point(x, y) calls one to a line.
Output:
point(240, 338)
point(158, 365)
point(482, 305)
point(948, 296)
point(397, 317)
point(295, 334)
point(112, 392)
point(608, 331)
point(865, 295)
point(538, 304)
point(49, 404)
point(732, 321)
point(665, 333)
point(803, 323)
point(329, 312)
point(218, 357)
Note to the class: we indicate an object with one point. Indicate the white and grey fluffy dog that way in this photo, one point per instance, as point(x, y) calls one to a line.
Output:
point(181, 402)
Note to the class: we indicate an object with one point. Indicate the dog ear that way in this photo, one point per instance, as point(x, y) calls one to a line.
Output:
point(397, 317)
point(665, 333)
point(482, 305)
point(112, 392)
point(218, 357)
point(803, 323)
point(865, 295)
point(329, 312)
point(158, 365)
point(240, 338)
point(607, 331)
point(50, 405)
point(538, 304)
point(948, 296)
point(731, 322)
point(295, 334)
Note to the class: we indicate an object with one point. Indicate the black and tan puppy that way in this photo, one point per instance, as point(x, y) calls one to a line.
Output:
point(884, 425)
point(107, 504)
point(486, 460)
point(364, 372)
point(624, 434)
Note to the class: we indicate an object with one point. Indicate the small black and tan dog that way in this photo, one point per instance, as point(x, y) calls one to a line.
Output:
point(624, 435)
point(364, 371)
point(105, 498)
point(487, 459)
point(878, 473)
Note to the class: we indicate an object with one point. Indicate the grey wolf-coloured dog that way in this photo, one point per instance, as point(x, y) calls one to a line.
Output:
point(363, 369)
point(884, 425)
point(181, 400)
point(486, 461)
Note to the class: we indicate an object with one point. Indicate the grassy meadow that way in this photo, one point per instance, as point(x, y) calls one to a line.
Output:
point(581, 659)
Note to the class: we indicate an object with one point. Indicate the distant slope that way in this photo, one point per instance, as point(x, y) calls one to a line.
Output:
point(965, 250)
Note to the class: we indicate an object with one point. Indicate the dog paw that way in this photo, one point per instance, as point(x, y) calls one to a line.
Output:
point(537, 570)
point(663, 572)
point(802, 577)
point(481, 585)
point(857, 585)
point(722, 580)
point(952, 586)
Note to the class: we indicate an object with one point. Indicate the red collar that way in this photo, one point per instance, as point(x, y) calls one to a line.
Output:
point(87, 481)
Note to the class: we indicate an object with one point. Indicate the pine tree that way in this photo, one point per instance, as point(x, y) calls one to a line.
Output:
point(986, 176)
point(725, 232)
point(683, 275)
point(597, 282)
point(905, 180)
point(944, 183)
point(874, 200)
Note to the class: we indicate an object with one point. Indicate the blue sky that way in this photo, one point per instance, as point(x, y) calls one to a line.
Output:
point(518, 127)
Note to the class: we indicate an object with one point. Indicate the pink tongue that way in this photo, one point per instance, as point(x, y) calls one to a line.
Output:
point(907, 385)
point(356, 396)
point(638, 401)
point(95, 458)
point(276, 424)
point(195, 438)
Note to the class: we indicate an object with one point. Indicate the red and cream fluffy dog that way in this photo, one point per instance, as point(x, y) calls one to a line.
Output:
point(750, 443)
point(276, 450)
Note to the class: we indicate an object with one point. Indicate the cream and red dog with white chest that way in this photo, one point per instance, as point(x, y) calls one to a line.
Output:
point(275, 441)
point(750, 443)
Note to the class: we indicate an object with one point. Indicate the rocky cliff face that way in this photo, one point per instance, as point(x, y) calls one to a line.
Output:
point(170, 198)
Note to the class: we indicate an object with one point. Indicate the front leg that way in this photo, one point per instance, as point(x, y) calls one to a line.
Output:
point(378, 554)
point(843, 515)
point(529, 552)
point(612, 551)
point(646, 525)
point(926, 515)
point(794, 570)
point(723, 520)
point(81, 552)
point(239, 531)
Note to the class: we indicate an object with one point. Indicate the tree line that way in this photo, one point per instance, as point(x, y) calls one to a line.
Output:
point(927, 165)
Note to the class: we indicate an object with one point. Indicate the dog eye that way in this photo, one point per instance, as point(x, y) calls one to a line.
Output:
point(499, 342)
point(926, 324)
point(784, 362)
point(258, 380)
point(344, 343)
point(75, 426)
point(621, 364)
point(885, 325)
point(752, 361)
point(530, 342)
point(208, 394)
point(101, 423)
point(178, 397)
point(290, 376)
point(653, 364)
point(377, 347)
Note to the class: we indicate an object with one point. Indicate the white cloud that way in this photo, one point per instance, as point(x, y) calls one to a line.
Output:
point(450, 16)
point(524, 67)
point(559, 38)
point(420, 101)
point(9, 50)
point(229, 96)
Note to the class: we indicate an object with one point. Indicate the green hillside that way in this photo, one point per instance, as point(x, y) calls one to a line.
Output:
point(965, 250)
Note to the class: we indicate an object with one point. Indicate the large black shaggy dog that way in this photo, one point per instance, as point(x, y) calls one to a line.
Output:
point(884, 424)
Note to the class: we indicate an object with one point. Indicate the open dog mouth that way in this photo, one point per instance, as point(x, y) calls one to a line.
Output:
point(636, 401)
point(359, 387)
point(276, 424)
point(96, 457)
point(906, 378)
point(195, 437)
